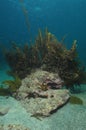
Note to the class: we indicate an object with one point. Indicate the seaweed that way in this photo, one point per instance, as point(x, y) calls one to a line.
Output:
point(8, 87)
point(5, 92)
point(17, 59)
point(47, 53)
point(12, 85)
point(75, 100)
point(66, 63)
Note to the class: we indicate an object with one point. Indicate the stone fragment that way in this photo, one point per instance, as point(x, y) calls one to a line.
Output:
point(3, 110)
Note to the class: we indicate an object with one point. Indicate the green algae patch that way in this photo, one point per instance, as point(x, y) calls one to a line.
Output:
point(4, 92)
point(75, 100)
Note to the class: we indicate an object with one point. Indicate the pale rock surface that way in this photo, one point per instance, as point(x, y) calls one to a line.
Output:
point(37, 101)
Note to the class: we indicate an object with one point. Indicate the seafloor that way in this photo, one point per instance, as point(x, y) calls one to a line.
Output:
point(69, 117)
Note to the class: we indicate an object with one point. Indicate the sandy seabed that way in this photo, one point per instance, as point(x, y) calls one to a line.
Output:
point(69, 117)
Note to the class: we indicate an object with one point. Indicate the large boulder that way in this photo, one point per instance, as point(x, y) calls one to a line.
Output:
point(42, 93)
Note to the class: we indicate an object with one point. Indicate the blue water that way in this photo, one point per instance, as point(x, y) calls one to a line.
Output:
point(61, 17)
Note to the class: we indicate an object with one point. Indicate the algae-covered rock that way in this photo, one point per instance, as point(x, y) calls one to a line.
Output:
point(35, 99)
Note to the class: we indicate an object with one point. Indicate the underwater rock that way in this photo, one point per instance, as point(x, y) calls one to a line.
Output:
point(46, 106)
point(41, 93)
point(3, 110)
point(13, 127)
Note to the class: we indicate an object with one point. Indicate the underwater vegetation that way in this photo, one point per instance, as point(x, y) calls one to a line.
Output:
point(11, 86)
point(25, 13)
point(75, 100)
point(48, 54)
point(4, 91)
point(18, 60)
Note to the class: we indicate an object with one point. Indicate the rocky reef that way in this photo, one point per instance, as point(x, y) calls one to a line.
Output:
point(42, 93)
